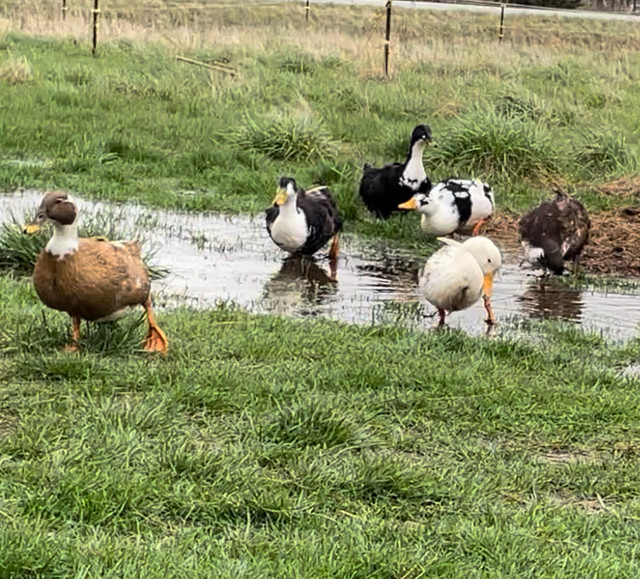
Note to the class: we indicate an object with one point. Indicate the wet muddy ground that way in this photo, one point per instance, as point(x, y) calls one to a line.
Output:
point(214, 257)
point(614, 240)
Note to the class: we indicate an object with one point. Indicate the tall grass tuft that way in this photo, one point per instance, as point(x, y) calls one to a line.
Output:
point(525, 107)
point(603, 154)
point(495, 147)
point(16, 70)
point(286, 138)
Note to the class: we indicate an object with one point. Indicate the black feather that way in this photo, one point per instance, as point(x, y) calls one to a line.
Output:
point(381, 188)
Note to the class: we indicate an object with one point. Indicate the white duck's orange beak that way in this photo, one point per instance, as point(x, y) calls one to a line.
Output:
point(487, 285)
point(281, 197)
point(411, 204)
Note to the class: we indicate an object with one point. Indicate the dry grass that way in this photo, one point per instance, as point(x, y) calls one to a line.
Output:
point(15, 70)
point(353, 32)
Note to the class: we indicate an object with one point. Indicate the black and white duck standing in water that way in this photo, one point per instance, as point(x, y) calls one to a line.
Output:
point(456, 275)
point(554, 232)
point(302, 222)
point(384, 189)
point(453, 206)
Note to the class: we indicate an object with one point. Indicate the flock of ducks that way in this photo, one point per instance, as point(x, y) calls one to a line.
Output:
point(95, 279)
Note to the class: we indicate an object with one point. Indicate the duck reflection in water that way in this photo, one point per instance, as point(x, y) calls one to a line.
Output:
point(300, 287)
point(389, 270)
point(546, 298)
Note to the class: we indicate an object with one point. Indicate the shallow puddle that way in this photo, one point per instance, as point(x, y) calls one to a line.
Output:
point(214, 257)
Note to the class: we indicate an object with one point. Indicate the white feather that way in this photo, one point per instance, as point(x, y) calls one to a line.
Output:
point(289, 230)
point(440, 215)
point(64, 240)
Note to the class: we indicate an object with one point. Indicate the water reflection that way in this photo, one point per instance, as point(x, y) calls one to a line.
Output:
point(547, 298)
point(392, 271)
point(216, 257)
point(300, 286)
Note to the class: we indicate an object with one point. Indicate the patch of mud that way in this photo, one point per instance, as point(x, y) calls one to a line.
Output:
point(624, 187)
point(566, 457)
point(614, 241)
point(589, 505)
point(213, 258)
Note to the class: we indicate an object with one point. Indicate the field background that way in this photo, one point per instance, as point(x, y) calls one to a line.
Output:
point(268, 447)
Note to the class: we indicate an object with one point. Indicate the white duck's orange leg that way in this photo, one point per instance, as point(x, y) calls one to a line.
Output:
point(75, 335)
point(491, 319)
point(156, 340)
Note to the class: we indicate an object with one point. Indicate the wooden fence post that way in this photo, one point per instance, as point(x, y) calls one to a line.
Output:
point(501, 33)
point(96, 11)
point(306, 11)
point(64, 9)
point(387, 36)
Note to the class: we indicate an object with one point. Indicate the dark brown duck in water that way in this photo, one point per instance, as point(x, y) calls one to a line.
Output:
point(89, 278)
point(555, 232)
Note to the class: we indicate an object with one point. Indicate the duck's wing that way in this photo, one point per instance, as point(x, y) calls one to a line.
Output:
point(575, 225)
point(323, 197)
point(470, 200)
point(541, 222)
point(323, 219)
point(379, 188)
point(103, 277)
point(451, 279)
point(271, 214)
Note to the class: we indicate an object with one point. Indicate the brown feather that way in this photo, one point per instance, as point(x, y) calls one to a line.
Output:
point(95, 281)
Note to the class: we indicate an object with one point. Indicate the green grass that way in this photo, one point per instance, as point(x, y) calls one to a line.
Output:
point(134, 123)
point(269, 447)
point(265, 447)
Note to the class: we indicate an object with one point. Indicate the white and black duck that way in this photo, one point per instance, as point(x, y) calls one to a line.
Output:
point(453, 206)
point(554, 232)
point(384, 189)
point(302, 222)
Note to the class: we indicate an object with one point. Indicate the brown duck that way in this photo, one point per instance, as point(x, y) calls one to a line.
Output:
point(554, 232)
point(89, 278)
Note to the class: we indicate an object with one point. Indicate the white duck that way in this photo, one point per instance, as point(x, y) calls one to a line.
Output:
point(457, 275)
point(453, 206)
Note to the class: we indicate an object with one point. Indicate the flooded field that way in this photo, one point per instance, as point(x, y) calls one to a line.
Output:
point(214, 257)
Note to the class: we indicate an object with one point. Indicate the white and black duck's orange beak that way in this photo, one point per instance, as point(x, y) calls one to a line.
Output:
point(487, 285)
point(281, 196)
point(411, 204)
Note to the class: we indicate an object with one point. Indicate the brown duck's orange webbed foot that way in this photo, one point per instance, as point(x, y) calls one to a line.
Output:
point(74, 345)
point(491, 319)
point(478, 226)
point(156, 340)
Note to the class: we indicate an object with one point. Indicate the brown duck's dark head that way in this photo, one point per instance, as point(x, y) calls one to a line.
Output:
point(56, 207)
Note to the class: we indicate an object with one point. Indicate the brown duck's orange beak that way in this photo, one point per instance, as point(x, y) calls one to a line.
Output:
point(411, 204)
point(487, 285)
point(281, 197)
point(31, 228)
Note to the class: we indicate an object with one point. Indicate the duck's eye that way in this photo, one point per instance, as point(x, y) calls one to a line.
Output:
point(488, 260)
